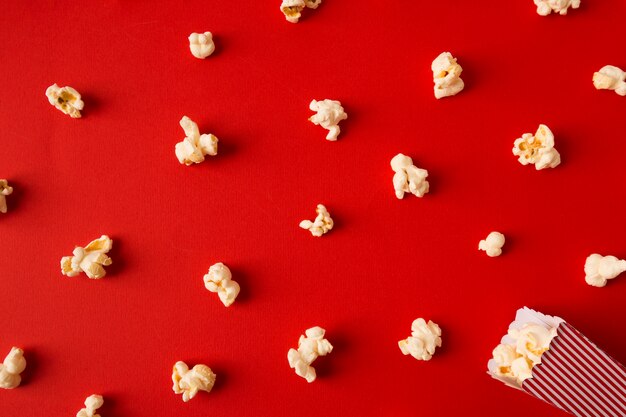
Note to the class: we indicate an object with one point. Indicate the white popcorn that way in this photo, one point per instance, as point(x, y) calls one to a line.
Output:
point(322, 223)
point(610, 78)
point(424, 339)
point(189, 381)
point(329, 114)
point(538, 149)
point(5, 190)
point(447, 76)
point(92, 403)
point(65, 99)
point(408, 178)
point(493, 244)
point(599, 269)
point(194, 147)
point(10, 370)
point(201, 44)
point(91, 259)
point(292, 9)
point(219, 280)
point(310, 346)
point(545, 7)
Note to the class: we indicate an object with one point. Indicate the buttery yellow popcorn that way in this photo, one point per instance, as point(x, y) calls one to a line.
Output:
point(447, 76)
point(195, 146)
point(190, 381)
point(424, 339)
point(538, 149)
point(310, 345)
point(92, 403)
point(220, 280)
point(66, 99)
point(322, 223)
point(10, 370)
point(292, 9)
point(5, 190)
point(91, 259)
point(610, 78)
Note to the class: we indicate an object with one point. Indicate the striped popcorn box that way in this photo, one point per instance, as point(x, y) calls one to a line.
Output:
point(549, 359)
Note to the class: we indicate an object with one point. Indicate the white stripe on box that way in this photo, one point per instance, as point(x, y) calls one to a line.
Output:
point(573, 403)
point(549, 398)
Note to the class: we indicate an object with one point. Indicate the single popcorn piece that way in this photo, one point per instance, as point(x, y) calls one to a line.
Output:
point(292, 9)
point(538, 149)
point(65, 99)
point(424, 339)
point(322, 223)
point(493, 244)
point(545, 7)
point(599, 269)
point(447, 76)
point(329, 114)
point(91, 259)
point(10, 370)
point(92, 403)
point(219, 280)
point(194, 147)
point(610, 78)
point(310, 345)
point(5, 190)
point(201, 44)
point(190, 381)
point(408, 178)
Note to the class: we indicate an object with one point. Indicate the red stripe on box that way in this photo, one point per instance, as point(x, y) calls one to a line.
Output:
point(578, 377)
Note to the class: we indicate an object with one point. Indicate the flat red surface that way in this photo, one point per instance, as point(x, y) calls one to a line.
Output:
point(387, 261)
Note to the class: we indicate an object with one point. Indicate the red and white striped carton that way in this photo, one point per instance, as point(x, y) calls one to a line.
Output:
point(574, 374)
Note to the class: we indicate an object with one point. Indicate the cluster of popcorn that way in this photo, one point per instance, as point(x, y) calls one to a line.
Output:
point(311, 345)
point(11, 368)
point(91, 259)
point(219, 279)
point(201, 45)
point(493, 244)
point(447, 76)
point(66, 99)
point(5, 190)
point(537, 149)
point(424, 339)
point(322, 223)
point(92, 403)
point(195, 146)
point(292, 9)
point(190, 381)
point(545, 7)
point(328, 115)
point(610, 78)
point(599, 269)
point(408, 178)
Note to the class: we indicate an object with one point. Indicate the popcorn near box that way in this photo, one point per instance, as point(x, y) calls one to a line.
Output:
point(549, 359)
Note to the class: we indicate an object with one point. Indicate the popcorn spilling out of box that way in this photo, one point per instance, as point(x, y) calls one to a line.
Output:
point(310, 345)
point(599, 269)
point(545, 7)
point(201, 45)
point(191, 381)
point(66, 99)
point(92, 403)
point(328, 115)
point(447, 76)
point(11, 368)
point(408, 178)
point(322, 223)
point(610, 78)
point(424, 339)
point(195, 146)
point(91, 259)
point(5, 190)
point(219, 279)
point(292, 9)
point(549, 359)
point(537, 149)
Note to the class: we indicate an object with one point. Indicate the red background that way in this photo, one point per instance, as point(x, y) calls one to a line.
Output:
point(386, 262)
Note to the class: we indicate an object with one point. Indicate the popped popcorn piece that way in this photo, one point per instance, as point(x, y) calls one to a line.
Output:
point(493, 244)
point(189, 381)
point(322, 223)
point(65, 99)
point(545, 7)
point(201, 44)
point(91, 259)
point(408, 177)
point(5, 190)
point(219, 280)
point(538, 149)
point(292, 9)
point(447, 76)
point(194, 147)
point(599, 269)
point(310, 345)
point(10, 370)
point(610, 78)
point(92, 403)
point(329, 114)
point(424, 339)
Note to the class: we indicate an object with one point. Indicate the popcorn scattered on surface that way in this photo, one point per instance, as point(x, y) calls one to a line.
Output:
point(91, 259)
point(310, 345)
point(189, 381)
point(201, 44)
point(292, 9)
point(195, 146)
point(545, 7)
point(599, 269)
point(5, 190)
point(322, 223)
point(65, 99)
point(408, 178)
point(447, 76)
point(538, 149)
point(493, 244)
point(329, 114)
point(92, 403)
point(610, 78)
point(424, 339)
point(219, 280)
point(10, 370)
